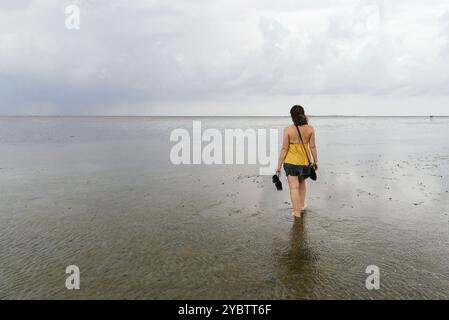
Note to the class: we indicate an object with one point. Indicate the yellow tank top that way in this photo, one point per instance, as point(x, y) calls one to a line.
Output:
point(296, 154)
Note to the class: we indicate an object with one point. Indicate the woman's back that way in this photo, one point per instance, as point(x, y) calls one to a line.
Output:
point(306, 133)
point(298, 151)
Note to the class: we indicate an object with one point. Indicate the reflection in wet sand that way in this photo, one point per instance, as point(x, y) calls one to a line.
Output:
point(297, 262)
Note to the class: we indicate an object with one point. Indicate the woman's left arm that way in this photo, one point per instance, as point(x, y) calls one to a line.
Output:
point(284, 150)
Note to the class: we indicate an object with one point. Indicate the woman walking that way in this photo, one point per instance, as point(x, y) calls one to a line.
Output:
point(298, 148)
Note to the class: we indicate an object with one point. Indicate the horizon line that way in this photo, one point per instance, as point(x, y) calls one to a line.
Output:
point(218, 116)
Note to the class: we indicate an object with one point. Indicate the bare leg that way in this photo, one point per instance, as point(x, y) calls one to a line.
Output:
point(302, 193)
point(293, 183)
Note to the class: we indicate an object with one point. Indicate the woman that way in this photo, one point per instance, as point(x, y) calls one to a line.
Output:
point(293, 156)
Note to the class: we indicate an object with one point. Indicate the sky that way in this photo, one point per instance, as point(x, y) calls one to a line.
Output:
point(224, 57)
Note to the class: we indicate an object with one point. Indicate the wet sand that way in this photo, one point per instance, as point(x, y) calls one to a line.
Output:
point(102, 194)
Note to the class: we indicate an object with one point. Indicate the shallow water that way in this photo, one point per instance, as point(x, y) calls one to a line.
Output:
point(101, 193)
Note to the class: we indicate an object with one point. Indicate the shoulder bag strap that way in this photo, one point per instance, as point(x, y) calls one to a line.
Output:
point(302, 142)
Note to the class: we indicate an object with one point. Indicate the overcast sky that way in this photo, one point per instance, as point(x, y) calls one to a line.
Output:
point(225, 57)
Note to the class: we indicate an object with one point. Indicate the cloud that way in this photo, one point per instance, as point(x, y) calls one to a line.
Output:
point(136, 56)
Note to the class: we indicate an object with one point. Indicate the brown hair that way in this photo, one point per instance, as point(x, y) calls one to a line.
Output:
point(298, 115)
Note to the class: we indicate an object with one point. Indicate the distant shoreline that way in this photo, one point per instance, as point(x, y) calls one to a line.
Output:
point(204, 116)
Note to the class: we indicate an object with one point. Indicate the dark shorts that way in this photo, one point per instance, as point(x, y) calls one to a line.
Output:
point(296, 170)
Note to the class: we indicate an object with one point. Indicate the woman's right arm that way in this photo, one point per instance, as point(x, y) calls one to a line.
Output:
point(313, 149)
point(284, 150)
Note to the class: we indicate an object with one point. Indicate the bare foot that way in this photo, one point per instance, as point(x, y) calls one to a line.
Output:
point(304, 208)
point(297, 215)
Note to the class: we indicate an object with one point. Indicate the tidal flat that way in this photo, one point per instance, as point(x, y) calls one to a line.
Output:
point(101, 193)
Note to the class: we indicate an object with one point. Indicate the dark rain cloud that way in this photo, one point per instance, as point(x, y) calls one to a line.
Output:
point(133, 56)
